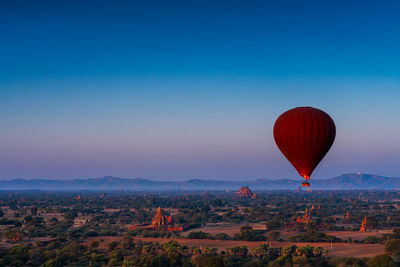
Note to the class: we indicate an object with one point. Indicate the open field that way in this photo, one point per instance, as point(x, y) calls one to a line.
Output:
point(337, 249)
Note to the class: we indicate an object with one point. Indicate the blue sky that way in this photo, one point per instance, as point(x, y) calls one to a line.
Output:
point(183, 90)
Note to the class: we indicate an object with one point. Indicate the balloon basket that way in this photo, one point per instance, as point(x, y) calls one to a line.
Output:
point(305, 184)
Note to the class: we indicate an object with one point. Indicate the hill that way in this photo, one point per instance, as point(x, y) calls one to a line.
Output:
point(108, 183)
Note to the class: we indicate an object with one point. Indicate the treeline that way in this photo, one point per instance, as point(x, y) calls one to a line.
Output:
point(246, 234)
point(126, 253)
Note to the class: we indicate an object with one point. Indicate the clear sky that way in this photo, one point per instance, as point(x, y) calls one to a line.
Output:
point(174, 90)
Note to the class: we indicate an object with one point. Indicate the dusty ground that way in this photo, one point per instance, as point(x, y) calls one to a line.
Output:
point(337, 249)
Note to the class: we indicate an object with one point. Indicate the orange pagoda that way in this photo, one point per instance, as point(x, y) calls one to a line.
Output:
point(244, 191)
point(363, 227)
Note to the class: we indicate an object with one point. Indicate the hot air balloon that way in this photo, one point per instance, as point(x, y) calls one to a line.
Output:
point(304, 135)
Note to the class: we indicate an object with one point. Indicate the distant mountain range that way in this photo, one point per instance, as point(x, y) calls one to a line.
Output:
point(108, 183)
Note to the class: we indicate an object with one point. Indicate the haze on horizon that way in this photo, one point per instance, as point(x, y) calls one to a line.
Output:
point(185, 90)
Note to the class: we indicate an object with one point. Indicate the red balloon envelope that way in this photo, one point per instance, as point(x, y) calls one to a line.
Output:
point(304, 135)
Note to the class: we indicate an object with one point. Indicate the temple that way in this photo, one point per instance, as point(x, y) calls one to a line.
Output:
point(244, 191)
point(160, 220)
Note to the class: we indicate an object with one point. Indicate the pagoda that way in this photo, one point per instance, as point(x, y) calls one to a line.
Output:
point(244, 191)
point(305, 219)
point(363, 227)
point(17, 236)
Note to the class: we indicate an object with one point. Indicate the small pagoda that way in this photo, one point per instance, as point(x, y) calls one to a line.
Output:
point(244, 191)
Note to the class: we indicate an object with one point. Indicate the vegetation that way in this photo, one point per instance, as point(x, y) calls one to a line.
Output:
point(58, 228)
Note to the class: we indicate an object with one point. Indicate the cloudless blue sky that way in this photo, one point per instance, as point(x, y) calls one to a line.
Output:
point(191, 89)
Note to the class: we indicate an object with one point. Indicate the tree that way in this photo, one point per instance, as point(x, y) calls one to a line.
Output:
point(382, 261)
point(248, 234)
point(306, 251)
point(204, 260)
point(393, 247)
point(210, 251)
point(239, 251)
point(70, 216)
point(34, 211)
point(198, 235)
point(274, 235)
point(289, 250)
point(318, 251)
point(261, 251)
point(172, 246)
point(275, 223)
point(196, 250)
point(113, 245)
point(127, 242)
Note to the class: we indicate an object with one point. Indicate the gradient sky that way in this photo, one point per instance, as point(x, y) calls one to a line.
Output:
point(175, 90)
